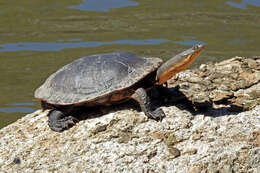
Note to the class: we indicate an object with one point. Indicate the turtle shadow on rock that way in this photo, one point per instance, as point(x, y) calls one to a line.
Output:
point(158, 96)
point(161, 96)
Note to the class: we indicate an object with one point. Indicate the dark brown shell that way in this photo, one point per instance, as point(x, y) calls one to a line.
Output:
point(95, 76)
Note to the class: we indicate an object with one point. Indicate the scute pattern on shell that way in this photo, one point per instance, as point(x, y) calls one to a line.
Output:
point(93, 76)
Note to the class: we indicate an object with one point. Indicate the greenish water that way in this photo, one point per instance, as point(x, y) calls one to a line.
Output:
point(38, 37)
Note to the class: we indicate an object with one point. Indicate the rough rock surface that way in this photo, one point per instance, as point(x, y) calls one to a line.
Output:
point(234, 83)
point(212, 124)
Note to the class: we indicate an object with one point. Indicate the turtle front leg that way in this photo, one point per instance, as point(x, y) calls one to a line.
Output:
point(59, 122)
point(142, 98)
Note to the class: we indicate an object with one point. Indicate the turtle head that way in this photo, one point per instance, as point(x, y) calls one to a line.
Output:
point(178, 63)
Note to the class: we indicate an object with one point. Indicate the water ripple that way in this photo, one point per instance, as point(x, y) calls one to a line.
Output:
point(53, 46)
point(24, 107)
point(244, 4)
point(103, 5)
point(190, 42)
point(17, 110)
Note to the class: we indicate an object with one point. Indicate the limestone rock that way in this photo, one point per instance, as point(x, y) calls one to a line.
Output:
point(234, 83)
point(212, 137)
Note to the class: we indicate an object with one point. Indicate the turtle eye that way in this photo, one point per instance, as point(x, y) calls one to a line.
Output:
point(196, 47)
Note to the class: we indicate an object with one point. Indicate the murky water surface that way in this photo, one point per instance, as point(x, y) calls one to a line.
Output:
point(244, 3)
point(103, 5)
point(58, 46)
point(39, 37)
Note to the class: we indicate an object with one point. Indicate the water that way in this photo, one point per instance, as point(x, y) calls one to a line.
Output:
point(103, 5)
point(244, 3)
point(56, 46)
point(39, 37)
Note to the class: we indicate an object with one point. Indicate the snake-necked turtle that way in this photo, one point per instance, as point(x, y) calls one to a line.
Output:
point(106, 79)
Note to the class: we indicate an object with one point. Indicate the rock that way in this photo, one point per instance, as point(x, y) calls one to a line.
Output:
point(234, 82)
point(200, 133)
point(174, 152)
point(191, 151)
point(195, 169)
point(247, 98)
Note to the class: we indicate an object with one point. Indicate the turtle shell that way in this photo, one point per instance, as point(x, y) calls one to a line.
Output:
point(92, 77)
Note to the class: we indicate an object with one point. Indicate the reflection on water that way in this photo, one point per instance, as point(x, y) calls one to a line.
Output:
point(244, 3)
point(13, 47)
point(103, 5)
point(190, 42)
point(23, 104)
point(18, 108)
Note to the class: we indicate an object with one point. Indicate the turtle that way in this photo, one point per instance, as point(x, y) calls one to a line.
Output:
point(108, 79)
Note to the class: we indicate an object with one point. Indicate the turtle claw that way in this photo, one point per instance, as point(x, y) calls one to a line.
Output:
point(59, 122)
point(157, 114)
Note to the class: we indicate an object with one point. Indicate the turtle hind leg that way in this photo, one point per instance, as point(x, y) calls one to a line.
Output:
point(142, 98)
point(59, 122)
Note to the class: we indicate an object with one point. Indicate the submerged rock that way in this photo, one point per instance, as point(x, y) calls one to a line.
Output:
point(202, 131)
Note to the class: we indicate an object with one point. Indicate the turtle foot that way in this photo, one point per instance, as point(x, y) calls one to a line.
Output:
point(142, 98)
point(59, 122)
point(157, 114)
